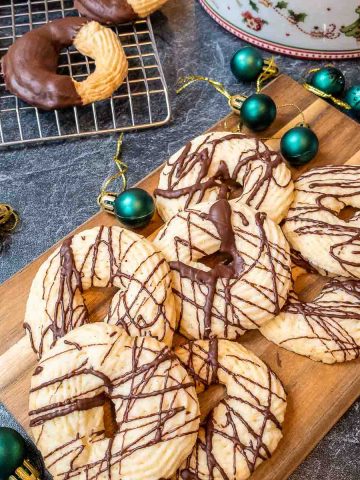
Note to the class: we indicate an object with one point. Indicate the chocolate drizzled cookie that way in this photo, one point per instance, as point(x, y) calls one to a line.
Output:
point(248, 285)
point(245, 427)
point(313, 226)
point(219, 165)
point(101, 257)
point(326, 329)
point(152, 398)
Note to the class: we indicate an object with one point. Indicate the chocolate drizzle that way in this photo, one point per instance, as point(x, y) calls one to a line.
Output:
point(220, 216)
point(65, 280)
point(258, 158)
point(173, 415)
point(316, 191)
point(223, 277)
point(327, 328)
point(106, 11)
point(235, 424)
point(30, 65)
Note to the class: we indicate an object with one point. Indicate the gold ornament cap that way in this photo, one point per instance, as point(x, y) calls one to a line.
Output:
point(26, 472)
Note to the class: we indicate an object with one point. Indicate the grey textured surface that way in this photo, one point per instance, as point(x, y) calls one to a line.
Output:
point(54, 186)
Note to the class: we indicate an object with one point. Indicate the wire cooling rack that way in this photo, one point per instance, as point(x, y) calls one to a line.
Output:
point(141, 102)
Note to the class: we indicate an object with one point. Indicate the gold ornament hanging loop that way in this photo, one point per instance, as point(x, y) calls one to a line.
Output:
point(320, 93)
point(234, 101)
point(9, 220)
point(270, 70)
point(26, 472)
point(106, 196)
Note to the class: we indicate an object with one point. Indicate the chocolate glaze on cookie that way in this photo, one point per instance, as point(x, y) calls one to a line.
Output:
point(207, 364)
point(106, 11)
point(30, 65)
point(225, 165)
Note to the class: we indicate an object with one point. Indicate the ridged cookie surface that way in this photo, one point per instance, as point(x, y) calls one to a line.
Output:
point(143, 8)
point(313, 227)
point(246, 426)
point(153, 400)
point(247, 286)
point(214, 165)
point(101, 257)
point(326, 329)
point(111, 65)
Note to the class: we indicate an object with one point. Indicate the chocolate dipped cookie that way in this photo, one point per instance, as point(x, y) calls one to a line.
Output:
point(30, 65)
point(117, 11)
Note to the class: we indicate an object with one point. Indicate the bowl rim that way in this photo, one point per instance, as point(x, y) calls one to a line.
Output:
point(277, 47)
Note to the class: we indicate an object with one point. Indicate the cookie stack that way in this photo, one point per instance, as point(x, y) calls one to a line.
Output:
point(118, 399)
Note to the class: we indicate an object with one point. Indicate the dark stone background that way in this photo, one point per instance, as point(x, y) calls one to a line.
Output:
point(54, 186)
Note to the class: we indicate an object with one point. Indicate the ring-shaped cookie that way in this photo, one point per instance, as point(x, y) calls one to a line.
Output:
point(117, 11)
point(30, 65)
point(313, 227)
point(245, 427)
point(213, 165)
point(153, 399)
point(326, 329)
point(101, 257)
point(238, 294)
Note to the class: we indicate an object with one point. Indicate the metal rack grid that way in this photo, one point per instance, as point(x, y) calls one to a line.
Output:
point(141, 102)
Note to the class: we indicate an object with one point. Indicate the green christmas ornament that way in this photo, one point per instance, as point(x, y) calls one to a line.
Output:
point(258, 112)
point(329, 80)
point(246, 64)
point(299, 145)
point(13, 463)
point(352, 97)
point(12, 452)
point(134, 207)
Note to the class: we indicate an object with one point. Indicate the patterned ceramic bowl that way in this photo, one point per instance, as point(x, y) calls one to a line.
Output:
point(303, 28)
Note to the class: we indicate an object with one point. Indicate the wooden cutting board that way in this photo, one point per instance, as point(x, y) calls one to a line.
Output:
point(318, 394)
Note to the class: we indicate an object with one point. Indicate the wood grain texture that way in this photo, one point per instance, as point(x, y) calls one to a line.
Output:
point(318, 394)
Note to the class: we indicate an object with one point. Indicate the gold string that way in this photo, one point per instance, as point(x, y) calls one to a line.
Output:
point(298, 109)
point(27, 472)
point(184, 82)
point(270, 70)
point(9, 218)
point(234, 101)
point(322, 94)
point(122, 167)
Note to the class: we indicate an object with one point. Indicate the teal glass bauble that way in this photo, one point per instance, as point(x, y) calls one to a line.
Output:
point(299, 145)
point(258, 111)
point(12, 452)
point(329, 80)
point(134, 207)
point(352, 97)
point(246, 64)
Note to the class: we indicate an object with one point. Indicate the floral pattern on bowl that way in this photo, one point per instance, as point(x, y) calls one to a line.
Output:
point(313, 29)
